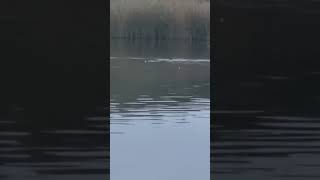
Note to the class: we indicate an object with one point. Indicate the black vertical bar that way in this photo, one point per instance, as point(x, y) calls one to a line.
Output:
point(265, 88)
point(214, 19)
point(54, 75)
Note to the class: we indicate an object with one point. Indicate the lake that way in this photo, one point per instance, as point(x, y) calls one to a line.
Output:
point(160, 111)
point(266, 114)
point(55, 153)
point(265, 126)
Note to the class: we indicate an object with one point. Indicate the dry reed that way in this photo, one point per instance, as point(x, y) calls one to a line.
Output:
point(160, 19)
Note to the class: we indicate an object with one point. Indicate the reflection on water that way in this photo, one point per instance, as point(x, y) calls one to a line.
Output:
point(266, 90)
point(160, 111)
point(270, 131)
point(53, 74)
point(271, 142)
point(54, 154)
point(161, 49)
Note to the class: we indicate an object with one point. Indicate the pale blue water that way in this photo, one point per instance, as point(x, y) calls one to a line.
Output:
point(160, 118)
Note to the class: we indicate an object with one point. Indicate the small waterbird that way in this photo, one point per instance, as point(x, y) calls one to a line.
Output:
point(147, 60)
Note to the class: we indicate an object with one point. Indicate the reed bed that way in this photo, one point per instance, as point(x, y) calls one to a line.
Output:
point(160, 19)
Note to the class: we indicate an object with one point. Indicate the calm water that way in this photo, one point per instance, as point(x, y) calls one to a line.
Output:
point(160, 109)
point(266, 117)
point(269, 130)
point(62, 153)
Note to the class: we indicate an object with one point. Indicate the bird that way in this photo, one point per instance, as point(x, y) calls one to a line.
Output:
point(147, 60)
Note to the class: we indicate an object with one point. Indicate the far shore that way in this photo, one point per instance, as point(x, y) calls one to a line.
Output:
point(160, 20)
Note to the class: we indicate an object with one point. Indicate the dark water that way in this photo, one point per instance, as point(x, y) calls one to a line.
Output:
point(47, 91)
point(53, 119)
point(160, 112)
point(269, 130)
point(59, 153)
point(266, 114)
point(53, 74)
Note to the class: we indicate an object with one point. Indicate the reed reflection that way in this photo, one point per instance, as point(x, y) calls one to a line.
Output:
point(160, 111)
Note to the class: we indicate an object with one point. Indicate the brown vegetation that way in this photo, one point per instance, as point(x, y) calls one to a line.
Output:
point(160, 19)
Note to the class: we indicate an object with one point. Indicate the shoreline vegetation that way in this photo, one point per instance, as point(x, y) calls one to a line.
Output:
point(160, 20)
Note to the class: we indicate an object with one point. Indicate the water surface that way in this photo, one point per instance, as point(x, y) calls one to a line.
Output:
point(266, 92)
point(56, 153)
point(160, 113)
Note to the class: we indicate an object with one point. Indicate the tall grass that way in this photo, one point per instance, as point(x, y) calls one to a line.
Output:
point(160, 19)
